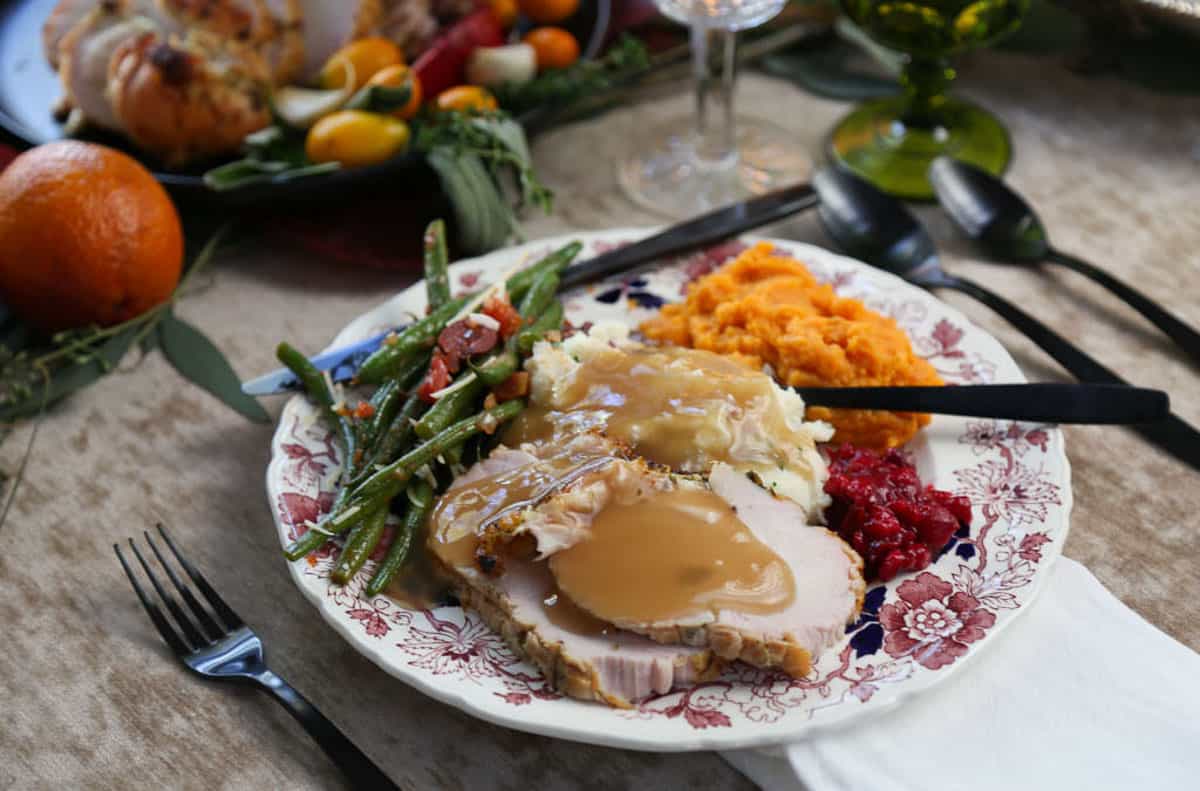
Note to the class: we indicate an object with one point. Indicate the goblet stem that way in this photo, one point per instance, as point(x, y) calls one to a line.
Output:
point(925, 82)
point(716, 141)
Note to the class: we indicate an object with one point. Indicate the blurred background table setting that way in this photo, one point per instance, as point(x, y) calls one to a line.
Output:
point(183, 186)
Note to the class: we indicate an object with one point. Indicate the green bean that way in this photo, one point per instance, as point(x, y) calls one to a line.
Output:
point(385, 402)
point(359, 545)
point(320, 391)
point(550, 320)
point(494, 370)
point(388, 481)
point(420, 503)
point(450, 407)
point(539, 295)
point(393, 440)
point(390, 358)
point(557, 261)
point(437, 280)
point(387, 359)
point(502, 364)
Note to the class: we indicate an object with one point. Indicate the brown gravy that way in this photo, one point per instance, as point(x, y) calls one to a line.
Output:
point(461, 515)
point(566, 615)
point(670, 556)
point(678, 407)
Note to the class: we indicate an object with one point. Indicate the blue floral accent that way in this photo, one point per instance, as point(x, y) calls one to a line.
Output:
point(633, 289)
point(646, 299)
point(868, 637)
point(966, 551)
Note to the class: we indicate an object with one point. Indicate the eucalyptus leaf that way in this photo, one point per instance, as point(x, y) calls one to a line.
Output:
point(75, 376)
point(197, 359)
point(484, 222)
point(244, 172)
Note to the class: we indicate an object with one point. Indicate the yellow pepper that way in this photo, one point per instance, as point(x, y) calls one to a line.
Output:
point(356, 138)
point(395, 77)
point(466, 97)
point(366, 55)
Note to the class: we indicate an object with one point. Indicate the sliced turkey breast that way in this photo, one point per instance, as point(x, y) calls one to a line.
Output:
point(754, 583)
point(581, 656)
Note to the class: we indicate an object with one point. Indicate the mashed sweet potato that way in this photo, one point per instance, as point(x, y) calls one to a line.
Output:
point(766, 308)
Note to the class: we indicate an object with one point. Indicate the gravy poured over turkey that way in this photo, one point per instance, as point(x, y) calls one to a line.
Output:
point(647, 518)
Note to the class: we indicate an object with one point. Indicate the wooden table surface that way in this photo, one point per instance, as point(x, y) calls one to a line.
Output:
point(89, 696)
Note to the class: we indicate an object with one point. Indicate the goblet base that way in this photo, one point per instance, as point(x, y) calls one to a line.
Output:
point(675, 180)
point(876, 143)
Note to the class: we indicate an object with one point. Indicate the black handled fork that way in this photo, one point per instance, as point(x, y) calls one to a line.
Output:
point(218, 645)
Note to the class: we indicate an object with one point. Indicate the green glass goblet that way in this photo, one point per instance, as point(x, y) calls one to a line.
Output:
point(892, 141)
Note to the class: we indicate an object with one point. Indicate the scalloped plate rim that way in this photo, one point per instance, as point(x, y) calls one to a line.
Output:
point(456, 694)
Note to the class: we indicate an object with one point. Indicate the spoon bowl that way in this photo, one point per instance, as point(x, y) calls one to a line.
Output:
point(989, 212)
point(873, 226)
point(1008, 230)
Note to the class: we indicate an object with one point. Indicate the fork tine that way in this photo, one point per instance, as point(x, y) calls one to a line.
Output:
point(207, 624)
point(189, 629)
point(156, 616)
point(231, 619)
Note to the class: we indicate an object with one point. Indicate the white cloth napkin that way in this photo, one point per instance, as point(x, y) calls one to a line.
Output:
point(1079, 693)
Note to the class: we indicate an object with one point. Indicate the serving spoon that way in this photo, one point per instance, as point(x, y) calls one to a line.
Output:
point(878, 229)
point(1006, 227)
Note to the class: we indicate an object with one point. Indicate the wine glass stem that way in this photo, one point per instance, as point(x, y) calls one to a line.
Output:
point(925, 81)
point(715, 145)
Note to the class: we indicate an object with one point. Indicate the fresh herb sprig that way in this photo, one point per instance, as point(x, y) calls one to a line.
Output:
point(473, 154)
point(557, 87)
point(34, 375)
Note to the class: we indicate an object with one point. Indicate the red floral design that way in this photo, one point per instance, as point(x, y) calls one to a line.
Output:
point(700, 264)
point(298, 511)
point(1031, 546)
point(989, 435)
point(1015, 493)
point(932, 622)
point(470, 650)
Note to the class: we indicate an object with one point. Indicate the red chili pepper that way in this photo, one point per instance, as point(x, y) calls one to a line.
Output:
point(437, 378)
point(502, 311)
point(364, 410)
point(443, 64)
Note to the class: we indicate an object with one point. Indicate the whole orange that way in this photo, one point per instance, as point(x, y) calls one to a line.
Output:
point(87, 236)
point(555, 47)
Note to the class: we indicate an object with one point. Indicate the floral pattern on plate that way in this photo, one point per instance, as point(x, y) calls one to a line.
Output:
point(912, 632)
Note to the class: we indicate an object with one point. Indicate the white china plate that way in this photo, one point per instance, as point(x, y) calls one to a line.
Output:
point(914, 631)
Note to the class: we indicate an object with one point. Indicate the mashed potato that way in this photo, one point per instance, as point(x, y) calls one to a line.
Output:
point(678, 407)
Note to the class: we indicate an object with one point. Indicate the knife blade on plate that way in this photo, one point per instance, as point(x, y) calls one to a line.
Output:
point(1094, 404)
point(685, 237)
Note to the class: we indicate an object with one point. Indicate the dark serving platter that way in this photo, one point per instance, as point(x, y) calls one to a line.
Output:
point(29, 88)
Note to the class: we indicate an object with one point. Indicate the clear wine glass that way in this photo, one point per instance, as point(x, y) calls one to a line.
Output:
point(709, 159)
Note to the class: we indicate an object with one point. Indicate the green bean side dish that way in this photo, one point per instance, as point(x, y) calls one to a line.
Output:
point(402, 446)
